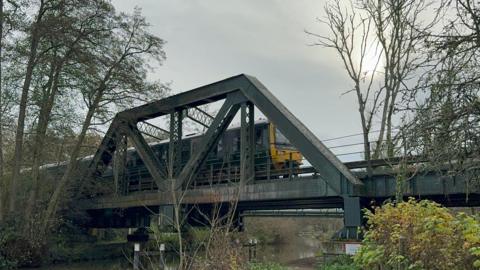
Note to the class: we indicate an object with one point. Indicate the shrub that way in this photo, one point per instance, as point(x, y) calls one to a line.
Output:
point(16, 249)
point(219, 251)
point(419, 235)
point(341, 262)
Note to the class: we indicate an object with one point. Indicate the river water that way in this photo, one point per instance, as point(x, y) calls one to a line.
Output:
point(294, 255)
point(291, 241)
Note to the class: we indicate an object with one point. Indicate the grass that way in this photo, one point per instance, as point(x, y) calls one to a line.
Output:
point(341, 262)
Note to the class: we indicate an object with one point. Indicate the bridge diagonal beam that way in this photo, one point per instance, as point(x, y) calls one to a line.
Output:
point(104, 154)
point(146, 154)
point(223, 118)
point(328, 165)
point(120, 165)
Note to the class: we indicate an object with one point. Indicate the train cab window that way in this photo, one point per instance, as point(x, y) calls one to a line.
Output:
point(280, 139)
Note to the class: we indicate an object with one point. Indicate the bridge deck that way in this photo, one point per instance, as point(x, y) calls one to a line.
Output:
point(290, 191)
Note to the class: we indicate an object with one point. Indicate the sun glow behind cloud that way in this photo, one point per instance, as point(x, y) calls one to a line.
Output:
point(373, 61)
point(369, 55)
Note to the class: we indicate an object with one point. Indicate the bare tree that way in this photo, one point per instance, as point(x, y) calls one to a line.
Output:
point(445, 125)
point(377, 42)
point(216, 250)
point(399, 27)
point(446, 112)
point(352, 38)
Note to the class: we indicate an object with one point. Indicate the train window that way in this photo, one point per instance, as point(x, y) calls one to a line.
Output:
point(129, 160)
point(258, 136)
point(236, 143)
point(163, 153)
point(220, 148)
point(139, 161)
point(280, 138)
point(194, 145)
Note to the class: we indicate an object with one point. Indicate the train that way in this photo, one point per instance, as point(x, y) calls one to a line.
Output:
point(273, 153)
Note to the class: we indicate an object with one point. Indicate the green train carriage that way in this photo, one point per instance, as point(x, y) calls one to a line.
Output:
point(272, 152)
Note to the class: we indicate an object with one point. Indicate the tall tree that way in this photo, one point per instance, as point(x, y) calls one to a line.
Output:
point(2, 188)
point(9, 19)
point(352, 38)
point(400, 28)
point(377, 42)
point(35, 34)
point(116, 73)
point(446, 106)
point(78, 24)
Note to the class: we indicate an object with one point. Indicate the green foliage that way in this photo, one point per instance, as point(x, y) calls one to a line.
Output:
point(471, 231)
point(199, 234)
point(6, 233)
point(419, 235)
point(266, 266)
point(17, 250)
point(342, 262)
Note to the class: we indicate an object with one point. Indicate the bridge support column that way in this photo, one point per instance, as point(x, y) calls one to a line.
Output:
point(352, 218)
point(247, 142)
point(175, 145)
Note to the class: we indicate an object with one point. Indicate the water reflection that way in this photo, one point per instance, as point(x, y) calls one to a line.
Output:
point(294, 242)
point(112, 264)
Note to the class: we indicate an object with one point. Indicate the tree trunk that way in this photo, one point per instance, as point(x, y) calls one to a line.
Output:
point(18, 153)
point(2, 187)
point(383, 124)
point(41, 131)
point(389, 140)
point(365, 127)
point(72, 164)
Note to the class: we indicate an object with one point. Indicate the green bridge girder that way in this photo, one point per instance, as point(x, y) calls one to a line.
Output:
point(379, 186)
point(333, 184)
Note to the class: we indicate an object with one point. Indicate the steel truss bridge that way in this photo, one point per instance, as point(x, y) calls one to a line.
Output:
point(327, 183)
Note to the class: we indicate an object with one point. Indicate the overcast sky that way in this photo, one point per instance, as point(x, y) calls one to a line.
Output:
point(209, 40)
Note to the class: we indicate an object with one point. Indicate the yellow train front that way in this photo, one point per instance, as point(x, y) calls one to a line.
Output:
point(274, 156)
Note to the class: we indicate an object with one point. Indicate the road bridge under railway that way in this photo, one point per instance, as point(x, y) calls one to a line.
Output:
point(253, 182)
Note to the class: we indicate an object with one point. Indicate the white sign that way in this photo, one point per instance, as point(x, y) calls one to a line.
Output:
point(136, 247)
point(351, 248)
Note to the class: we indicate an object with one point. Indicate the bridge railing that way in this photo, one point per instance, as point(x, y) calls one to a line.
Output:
point(221, 172)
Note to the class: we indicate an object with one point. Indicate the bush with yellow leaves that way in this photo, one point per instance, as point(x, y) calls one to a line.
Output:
point(419, 235)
